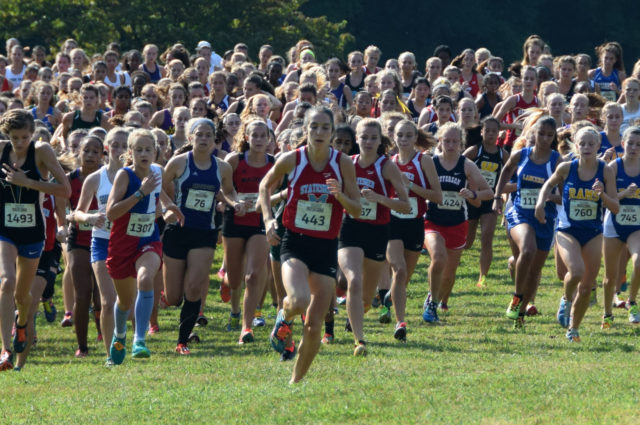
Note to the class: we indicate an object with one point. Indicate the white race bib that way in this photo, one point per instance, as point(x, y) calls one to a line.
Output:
point(199, 200)
point(313, 215)
point(451, 200)
point(490, 177)
point(413, 201)
point(583, 210)
point(250, 199)
point(528, 198)
point(369, 210)
point(19, 215)
point(629, 215)
point(141, 225)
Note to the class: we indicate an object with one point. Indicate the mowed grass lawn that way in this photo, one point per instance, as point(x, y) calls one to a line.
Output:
point(473, 368)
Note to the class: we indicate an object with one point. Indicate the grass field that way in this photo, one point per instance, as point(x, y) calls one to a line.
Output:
point(474, 368)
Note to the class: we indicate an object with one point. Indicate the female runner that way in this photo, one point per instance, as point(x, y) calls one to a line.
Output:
point(322, 183)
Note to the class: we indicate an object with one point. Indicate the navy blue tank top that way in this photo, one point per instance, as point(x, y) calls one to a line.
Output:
point(196, 191)
point(453, 209)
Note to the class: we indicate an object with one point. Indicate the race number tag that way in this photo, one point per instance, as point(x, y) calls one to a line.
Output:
point(369, 209)
point(451, 200)
point(199, 200)
point(490, 177)
point(250, 199)
point(412, 214)
point(313, 215)
point(19, 215)
point(141, 225)
point(583, 210)
point(528, 198)
point(629, 215)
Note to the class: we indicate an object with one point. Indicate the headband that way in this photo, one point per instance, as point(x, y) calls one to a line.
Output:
point(201, 121)
point(308, 51)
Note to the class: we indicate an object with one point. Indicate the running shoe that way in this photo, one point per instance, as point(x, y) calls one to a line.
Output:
point(341, 300)
point(482, 282)
point(233, 324)
point(246, 337)
point(140, 350)
point(572, 335)
point(289, 353)
point(519, 323)
point(20, 338)
point(531, 310)
point(258, 319)
point(593, 298)
point(221, 273)
point(514, 308)
point(153, 329)
point(360, 349)
point(17, 369)
point(624, 286)
point(81, 354)
point(327, 338)
point(183, 350)
point(193, 338)
point(201, 320)
point(385, 315)
point(341, 293)
point(387, 301)
point(281, 334)
point(400, 333)
point(50, 311)
point(67, 321)
point(347, 326)
point(376, 301)
point(225, 292)
point(109, 362)
point(634, 313)
point(99, 337)
point(430, 314)
point(163, 303)
point(618, 302)
point(117, 351)
point(607, 322)
point(564, 312)
point(6, 360)
point(426, 302)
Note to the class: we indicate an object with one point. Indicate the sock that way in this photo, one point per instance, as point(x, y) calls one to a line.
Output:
point(328, 327)
point(632, 303)
point(188, 317)
point(382, 293)
point(120, 317)
point(144, 306)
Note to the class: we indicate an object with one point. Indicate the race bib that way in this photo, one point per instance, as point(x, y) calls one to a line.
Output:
point(583, 210)
point(451, 200)
point(313, 215)
point(528, 198)
point(412, 214)
point(250, 199)
point(628, 215)
point(490, 177)
point(141, 225)
point(369, 209)
point(199, 200)
point(85, 227)
point(19, 215)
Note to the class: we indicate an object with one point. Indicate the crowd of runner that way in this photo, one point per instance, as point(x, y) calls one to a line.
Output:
point(324, 182)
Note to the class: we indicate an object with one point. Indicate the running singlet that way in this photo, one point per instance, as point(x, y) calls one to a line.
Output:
point(490, 165)
point(510, 118)
point(311, 209)
point(223, 105)
point(79, 123)
point(21, 218)
point(530, 178)
point(196, 191)
point(51, 226)
point(44, 119)
point(354, 89)
point(338, 92)
point(603, 82)
point(487, 109)
point(246, 180)
point(628, 218)
point(453, 209)
point(80, 233)
point(137, 227)
point(474, 88)
point(371, 178)
point(102, 195)
point(154, 76)
point(606, 144)
point(413, 171)
point(581, 205)
point(167, 123)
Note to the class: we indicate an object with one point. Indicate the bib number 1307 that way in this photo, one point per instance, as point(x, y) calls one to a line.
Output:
point(141, 225)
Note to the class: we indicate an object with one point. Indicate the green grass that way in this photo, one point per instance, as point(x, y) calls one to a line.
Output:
point(474, 368)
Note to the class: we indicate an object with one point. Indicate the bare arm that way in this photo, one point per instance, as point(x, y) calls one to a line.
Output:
point(557, 178)
point(391, 172)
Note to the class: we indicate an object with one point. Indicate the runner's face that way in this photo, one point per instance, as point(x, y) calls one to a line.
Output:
point(632, 146)
point(451, 141)
point(342, 142)
point(368, 139)
point(588, 144)
point(490, 132)
point(20, 139)
point(143, 152)
point(614, 119)
point(202, 138)
point(405, 136)
point(91, 154)
point(258, 137)
point(319, 129)
point(544, 136)
point(117, 147)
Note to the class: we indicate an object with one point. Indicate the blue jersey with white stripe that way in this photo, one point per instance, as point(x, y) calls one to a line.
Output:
point(581, 205)
point(196, 191)
point(530, 178)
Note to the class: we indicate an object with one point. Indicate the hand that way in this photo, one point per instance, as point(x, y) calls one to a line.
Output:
point(467, 193)
point(177, 214)
point(613, 86)
point(631, 189)
point(62, 234)
point(609, 154)
point(97, 219)
point(220, 207)
point(240, 208)
point(335, 188)
point(497, 205)
point(15, 175)
point(150, 183)
point(598, 187)
point(369, 195)
point(540, 213)
point(271, 227)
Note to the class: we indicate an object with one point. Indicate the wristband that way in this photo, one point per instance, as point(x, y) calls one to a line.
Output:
point(475, 195)
point(410, 185)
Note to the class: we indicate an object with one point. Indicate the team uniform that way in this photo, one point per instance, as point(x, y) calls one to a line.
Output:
point(627, 221)
point(606, 144)
point(474, 87)
point(449, 219)
point(312, 215)
point(512, 116)
point(490, 166)
point(79, 233)
point(246, 180)
point(603, 82)
point(581, 212)
point(338, 92)
point(135, 232)
point(196, 191)
point(78, 123)
point(100, 235)
point(371, 230)
point(530, 178)
point(22, 220)
point(409, 227)
point(50, 258)
point(354, 89)
point(154, 76)
point(45, 119)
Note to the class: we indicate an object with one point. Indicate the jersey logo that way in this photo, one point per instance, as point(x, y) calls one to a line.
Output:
point(322, 198)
